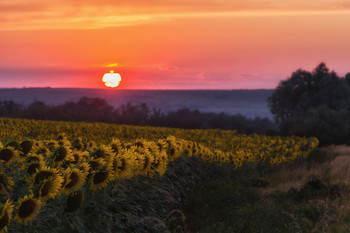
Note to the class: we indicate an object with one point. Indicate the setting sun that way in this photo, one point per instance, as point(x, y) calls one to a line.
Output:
point(111, 79)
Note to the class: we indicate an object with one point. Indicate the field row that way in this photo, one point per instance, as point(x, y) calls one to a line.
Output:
point(37, 169)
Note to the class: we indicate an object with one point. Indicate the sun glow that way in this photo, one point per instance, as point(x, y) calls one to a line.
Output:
point(111, 79)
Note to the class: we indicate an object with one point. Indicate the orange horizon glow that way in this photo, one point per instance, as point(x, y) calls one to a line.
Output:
point(170, 44)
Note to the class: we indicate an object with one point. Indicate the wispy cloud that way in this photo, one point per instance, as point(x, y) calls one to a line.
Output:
point(92, 14)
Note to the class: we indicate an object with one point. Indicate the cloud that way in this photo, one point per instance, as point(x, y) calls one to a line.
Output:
point(91, 14)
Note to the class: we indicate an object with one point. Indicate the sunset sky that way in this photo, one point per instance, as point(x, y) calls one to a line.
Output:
point(169, 44)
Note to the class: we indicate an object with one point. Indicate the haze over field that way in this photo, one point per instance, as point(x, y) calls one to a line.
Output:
point(250, 103)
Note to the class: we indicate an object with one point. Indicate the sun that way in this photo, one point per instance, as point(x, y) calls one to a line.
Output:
point(111, 79)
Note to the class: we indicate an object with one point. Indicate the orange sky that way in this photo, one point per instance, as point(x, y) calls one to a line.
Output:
point(169, 44)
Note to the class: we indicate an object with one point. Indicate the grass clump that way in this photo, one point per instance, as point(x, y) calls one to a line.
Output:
point(306, 195)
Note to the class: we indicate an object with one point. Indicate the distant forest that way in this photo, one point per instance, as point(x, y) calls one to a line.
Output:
point(315, 103)
point(98, 110)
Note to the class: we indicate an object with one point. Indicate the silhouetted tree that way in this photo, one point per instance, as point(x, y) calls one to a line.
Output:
point(309, 101)
point(9, 108)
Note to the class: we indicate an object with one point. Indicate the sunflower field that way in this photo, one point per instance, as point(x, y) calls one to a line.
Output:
point(50, 170)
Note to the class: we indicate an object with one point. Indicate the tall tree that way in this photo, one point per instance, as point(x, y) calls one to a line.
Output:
point(300, 102)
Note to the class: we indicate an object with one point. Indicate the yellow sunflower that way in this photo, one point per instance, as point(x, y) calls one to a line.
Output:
point(45, 173)
point(173, 148)
point(6, 183)
point(35, 158)
point(32, 168)
point(160, 162)
point(14, 144)
point(61, 154)
point(27, 208)
point(9, 155)
point(78, 144)
point(100, 178)
point(26, 146)
point(64, 142)
point(73, 179)
point(146, 160)
point(140, 143)
point(49, 188)
point(116, 146)
point(124, 164)
point(61, 136)
point(78, 156)
point(90, 146)
point(5, 215)
point(96, 164)
point(84, 167)
point(104, 152)
point(37, 144)
point(44, 151)
point(162, 145)
point(75, 200)
point(188, 147)
point(51, 144)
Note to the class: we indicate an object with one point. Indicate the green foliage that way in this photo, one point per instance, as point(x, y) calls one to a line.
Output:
point(98, 110)
point(314, 104)
point(235, 203)
point(141, 204)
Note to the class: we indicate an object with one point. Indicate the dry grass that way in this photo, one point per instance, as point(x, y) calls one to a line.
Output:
point(336, 170)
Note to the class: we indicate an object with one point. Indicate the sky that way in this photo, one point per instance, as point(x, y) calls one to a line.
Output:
point(170, 44)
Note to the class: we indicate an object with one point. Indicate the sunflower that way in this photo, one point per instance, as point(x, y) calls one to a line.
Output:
point(28, 207)
point(146, 160)
point(45, 173)
point(160, 162)
point(127, 145)
point(64, 142)
point(35, 158)
point(104, 152)
point(43, 150)
point(188, 148)
point(73, 179)
point(78, 144)
point(173, 148)
point(37, 144)
point(51, 144)
point(6, 183)
point(5, 215)
point(162, 145)
point(84, 167)
point(9, 155)
point(26, 146)
point(151, 147)
point(90, 146)
point(75, 200)
point(49, 188)
point(33, 167)
point(14, 144)
point(96, 164)
point(124, 164)
point(140, 143)
point(100, 178)
point(61, 154)
point(78, 156)
point(61, 136)
point(116, 146)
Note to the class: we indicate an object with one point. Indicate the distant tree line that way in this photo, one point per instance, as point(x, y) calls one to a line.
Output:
point(98, 110)
point(314, 103)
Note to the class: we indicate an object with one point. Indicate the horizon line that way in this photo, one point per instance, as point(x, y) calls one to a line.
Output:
point(123, 89)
